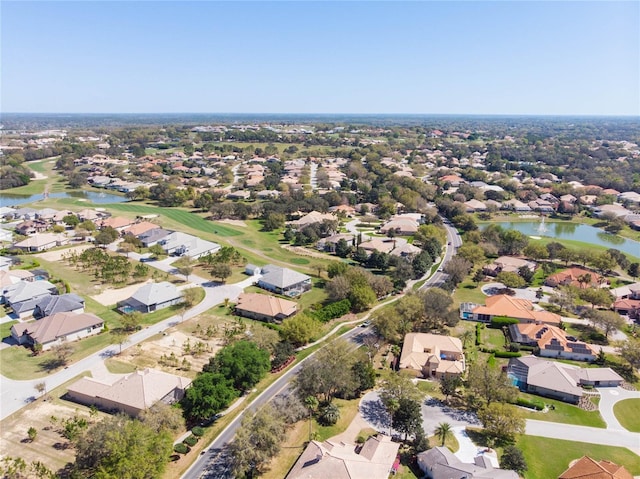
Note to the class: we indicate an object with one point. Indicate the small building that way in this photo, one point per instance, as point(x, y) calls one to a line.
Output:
point(339, 460)
point(433, 355)
point(264, 307)
point(132, 393)
point(151, 297)
point(441, 463)
point(57, 329)
point(65, 303)
point(587, 468)
point(284, 281)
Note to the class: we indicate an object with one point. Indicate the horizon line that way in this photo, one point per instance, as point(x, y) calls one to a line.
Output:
point(321, 114)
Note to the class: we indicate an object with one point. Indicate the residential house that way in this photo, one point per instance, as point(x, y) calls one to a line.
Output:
point(89, 215)
point(264, 307)
point(329, 243)
point(239, 195)
point(312, 218)
point(505, 305)
point(153, 237)
point(116, 222)
point(375, 459)
point(630, 196)
point(284, 281)
point(453, 180)
point(24, 214)
point(132, 393)
point(348, 211)
point(22, 297)
point(401, 225)
point(64, 303)
point(14, 276)
point(382, 245)
point(151, 297)
point(405, 250)
point(140, 228)
point(440, 463)
point(587, 468)
point(551, 341)
point(558, 380)
point(573, 277)
point(433, 355)
point(31, 227)
point(474, 205)
point(516, 205)
point(614, 209)
point(627, 300)
point(183, 244)
point(56, 329)
point(509, 264)
point(42, 242)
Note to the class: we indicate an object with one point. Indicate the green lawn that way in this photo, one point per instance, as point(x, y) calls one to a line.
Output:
point(348, 410)
point(181, 216)
point(563, 412)
point(628, 413)
point(469, 292)
point(548, 458)
point(5, 329)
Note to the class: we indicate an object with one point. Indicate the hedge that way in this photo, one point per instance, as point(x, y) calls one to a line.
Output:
point(191, 440)
point(507, 354)
point(479, 328)
point(531, 404)
point(497, 322)
point(198, 431)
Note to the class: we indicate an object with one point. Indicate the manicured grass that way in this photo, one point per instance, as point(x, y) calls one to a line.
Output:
point(548, 458)
point(628, 413)
point(182, 216)
point(300, 261)
point(469, 292)
point(5, 329)
point(348, 410)
point(119, 367)
point(451, 442)
point(493, 338)
point(563, 412)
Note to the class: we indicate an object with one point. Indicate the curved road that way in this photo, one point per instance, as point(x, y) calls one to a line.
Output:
point(213, 463)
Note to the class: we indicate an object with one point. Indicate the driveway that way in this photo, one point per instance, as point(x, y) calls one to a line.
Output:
point(608, 398)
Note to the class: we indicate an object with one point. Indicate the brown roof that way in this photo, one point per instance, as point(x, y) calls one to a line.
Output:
point(116, 222)
point(587, 468)
point(266, 305)
point(140, 389)
point(571, 275)
point(504, 305)
point(552, 337)
point(59, 325)
point(140, 228)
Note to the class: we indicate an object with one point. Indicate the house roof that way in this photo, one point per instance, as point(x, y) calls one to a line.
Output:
point(40, 239)
point(552, 337)
point(139, 228)
point(155, 234)
point(587, 468)
point(266, 305)
point(419, 349)
point(57, 325)
point(571, 275)
point(313, 217)
point(553, 376)
point(505, 305)
point(339, 460)
point(26, 290)
point(49, 305)
point(154, 293)
point(281, 277)
point(383, 245)
point(139, 390)
point(14, 276)
point(443, 464)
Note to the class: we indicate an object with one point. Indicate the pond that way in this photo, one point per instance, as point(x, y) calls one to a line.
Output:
point(95, 197)
point(574, 231)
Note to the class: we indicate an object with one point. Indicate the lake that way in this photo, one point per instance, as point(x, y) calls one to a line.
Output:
point(574, 231)
point(94, 197)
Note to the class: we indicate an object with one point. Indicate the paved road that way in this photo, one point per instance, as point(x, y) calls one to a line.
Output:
point(213, 463)
point(610, 396)
point(454, 242)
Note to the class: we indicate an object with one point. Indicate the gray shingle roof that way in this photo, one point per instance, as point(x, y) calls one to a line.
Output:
point(154, 293)
point(282, 277)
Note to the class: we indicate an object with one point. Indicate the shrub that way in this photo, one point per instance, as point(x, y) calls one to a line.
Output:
point(329, 415)
point(191, 441)
point(514, 347)
point(507, 354)
point(181, 448)
point(497, 322)
point(531, 404)
point(332, 311)
point(198, 431)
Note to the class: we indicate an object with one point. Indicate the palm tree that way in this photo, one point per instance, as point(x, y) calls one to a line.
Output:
point(443, 431)
point(312, 403)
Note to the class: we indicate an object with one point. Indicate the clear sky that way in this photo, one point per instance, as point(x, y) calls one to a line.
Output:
point(509, 57)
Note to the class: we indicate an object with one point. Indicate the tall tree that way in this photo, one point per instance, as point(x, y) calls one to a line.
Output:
point(502, 421)
point(242, 362)
point(407, 417)
point(443, 432)
point(490, 383)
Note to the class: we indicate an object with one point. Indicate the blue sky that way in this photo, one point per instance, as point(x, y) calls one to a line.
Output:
point(509, 57)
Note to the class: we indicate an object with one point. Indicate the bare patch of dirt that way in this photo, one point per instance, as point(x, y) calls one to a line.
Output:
point(58, 255)
point(114, 295)
point(234, 222)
